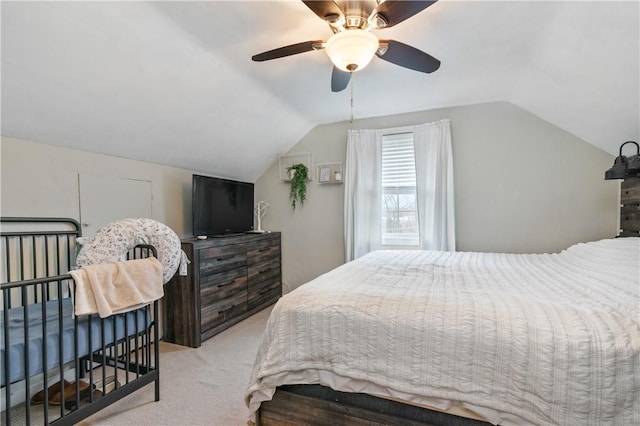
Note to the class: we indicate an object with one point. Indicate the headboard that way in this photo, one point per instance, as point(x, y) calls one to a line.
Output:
point(630, 207)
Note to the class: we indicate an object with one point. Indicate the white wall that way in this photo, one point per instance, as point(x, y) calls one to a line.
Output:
point(42, 180)
point(521, 185)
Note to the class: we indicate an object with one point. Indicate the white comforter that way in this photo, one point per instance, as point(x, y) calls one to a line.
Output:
point(537, 339)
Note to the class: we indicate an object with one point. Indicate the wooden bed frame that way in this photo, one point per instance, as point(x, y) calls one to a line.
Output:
point(315, 405)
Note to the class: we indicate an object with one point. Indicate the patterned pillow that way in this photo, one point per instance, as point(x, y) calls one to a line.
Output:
point(112, 243)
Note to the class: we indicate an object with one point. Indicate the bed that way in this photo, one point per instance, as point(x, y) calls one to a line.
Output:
point(505, 339)
point(43, 345)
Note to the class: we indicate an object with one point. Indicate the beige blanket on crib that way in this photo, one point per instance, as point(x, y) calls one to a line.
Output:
point(112, 288)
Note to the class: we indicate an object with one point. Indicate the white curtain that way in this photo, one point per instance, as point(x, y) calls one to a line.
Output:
point(434, 182)
point(434, 186)
point(362, 193)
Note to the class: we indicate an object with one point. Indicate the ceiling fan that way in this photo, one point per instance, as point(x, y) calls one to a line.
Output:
point(352, 45)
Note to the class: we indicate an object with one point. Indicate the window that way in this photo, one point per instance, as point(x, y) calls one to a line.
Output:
point(410, 204)
point(399, 218)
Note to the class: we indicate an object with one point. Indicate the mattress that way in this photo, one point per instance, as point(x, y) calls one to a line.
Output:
point(516, 338)
point(133, 324)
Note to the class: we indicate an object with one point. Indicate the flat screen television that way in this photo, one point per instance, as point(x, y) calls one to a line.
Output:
point(221, 206)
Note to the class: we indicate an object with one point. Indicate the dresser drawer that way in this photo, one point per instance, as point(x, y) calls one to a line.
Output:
point(265, 249)
point(222, 310)
point(264, 293)
point(263, 271)
point(217, 259)
point(264, 286)
point(222, 285)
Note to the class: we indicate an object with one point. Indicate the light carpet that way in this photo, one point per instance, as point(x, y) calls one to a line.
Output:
point(203, 386)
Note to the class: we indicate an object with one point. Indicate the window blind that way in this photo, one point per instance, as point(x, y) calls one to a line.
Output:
point(398, 161)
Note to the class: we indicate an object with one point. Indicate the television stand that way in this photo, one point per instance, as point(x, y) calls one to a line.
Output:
point(229, 279)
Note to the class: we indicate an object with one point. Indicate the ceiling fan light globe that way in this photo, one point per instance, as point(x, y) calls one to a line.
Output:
point(352, 50)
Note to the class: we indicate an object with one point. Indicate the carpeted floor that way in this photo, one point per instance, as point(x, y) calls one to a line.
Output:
point(203, 386)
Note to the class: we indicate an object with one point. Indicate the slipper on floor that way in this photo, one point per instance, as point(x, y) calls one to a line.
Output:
point(54, 389)
point(70, 393)
point(100, 389)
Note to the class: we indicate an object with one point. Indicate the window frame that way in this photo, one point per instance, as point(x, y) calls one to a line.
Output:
point(398, 240)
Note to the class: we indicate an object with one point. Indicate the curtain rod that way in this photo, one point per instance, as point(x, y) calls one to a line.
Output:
point(403, 130)
point(398, 133)
point(398, 130)
point(395, 131)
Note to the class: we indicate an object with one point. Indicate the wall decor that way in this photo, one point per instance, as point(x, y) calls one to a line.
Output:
point(325, 174)
point(288, 160)
point(299, 174)
point(260, 209)
point(329, 173)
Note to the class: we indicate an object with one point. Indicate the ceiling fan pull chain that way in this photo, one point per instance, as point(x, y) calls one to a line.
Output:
point(351, 81)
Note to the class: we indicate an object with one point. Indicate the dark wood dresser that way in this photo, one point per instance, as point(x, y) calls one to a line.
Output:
point(228, 279)
point(630, 207)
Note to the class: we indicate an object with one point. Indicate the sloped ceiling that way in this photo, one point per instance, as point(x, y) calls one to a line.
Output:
point(172, 82)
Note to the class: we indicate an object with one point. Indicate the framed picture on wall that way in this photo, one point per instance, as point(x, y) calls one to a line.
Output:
point(325, 174)
point(329, 173)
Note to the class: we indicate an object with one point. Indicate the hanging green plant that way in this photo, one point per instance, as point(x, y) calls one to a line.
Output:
point(298, 175)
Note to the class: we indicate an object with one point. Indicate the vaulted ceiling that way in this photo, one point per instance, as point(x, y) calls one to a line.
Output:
point(173, 83)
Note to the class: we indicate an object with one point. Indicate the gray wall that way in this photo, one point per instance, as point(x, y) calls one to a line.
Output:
point(521, 185)
point(42, 180)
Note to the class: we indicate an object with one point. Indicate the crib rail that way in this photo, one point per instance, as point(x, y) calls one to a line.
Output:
point(37, 247)
point(81, 350)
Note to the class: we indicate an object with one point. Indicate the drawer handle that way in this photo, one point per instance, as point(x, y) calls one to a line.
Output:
point(226, 310)
point(264, 270)
point(224, 285)
point(265, 249)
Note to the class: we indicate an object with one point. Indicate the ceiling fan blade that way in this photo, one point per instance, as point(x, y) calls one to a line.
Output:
point(339, 79)
point(394, 11)
point(293, 49)
point(324, 8)
point(408, 57)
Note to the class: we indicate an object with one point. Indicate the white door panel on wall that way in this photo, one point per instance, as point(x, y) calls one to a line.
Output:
point(105, 199)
